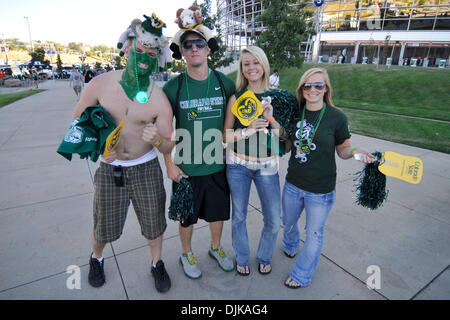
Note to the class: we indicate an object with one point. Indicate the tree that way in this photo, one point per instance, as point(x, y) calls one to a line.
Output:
point(38, 55)
point(59, 67)
point(118, 63)
point(219, 58)
point(286, 24)
point(178, 66)
point(75, 47)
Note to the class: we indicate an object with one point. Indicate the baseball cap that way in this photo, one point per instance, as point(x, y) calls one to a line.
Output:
point(192, 31)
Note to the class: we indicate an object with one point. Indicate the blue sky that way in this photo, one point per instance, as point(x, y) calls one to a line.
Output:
point(89, 21)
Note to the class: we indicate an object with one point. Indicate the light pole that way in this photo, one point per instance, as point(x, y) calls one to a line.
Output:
point(29, 32)
point(318, 27)
point(3, 48)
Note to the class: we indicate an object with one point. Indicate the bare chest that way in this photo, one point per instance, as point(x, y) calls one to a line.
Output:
point(120, 107)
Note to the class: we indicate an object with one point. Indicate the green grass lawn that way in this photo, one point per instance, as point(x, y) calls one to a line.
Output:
point(8, 98)
point(416, 92)
point(414, 132)
point(419, 92)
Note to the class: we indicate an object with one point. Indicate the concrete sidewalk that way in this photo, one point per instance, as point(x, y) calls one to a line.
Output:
point(46, 225)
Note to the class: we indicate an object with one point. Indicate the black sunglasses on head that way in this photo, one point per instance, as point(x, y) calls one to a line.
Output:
point(199, 43)
point(317, 85)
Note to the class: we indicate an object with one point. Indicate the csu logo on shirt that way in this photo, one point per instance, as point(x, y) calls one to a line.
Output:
point(74, 134)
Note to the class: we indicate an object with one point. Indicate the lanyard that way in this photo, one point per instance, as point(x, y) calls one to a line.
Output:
point(305, 148)
point(191, 112)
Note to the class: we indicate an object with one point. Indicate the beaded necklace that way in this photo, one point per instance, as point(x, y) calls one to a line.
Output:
point(306, 148)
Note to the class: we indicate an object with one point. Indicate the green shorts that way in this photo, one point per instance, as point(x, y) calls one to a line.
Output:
point(143, 186)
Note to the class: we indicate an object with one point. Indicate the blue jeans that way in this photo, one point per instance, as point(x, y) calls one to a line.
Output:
point(317, 206)
point(268, 186)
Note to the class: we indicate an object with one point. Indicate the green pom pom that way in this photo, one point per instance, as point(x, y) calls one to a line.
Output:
point(119, 45)
point(182, 201)
point(284, 110)
point(371, 188)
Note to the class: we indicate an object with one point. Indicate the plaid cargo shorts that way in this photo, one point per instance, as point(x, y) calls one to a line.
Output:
point(144, 186)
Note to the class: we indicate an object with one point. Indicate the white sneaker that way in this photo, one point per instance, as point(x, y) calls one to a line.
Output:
point(224, 262)
point(190, 266)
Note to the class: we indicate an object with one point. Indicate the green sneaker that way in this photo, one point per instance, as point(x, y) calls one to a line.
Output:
point(190, 266)
point(224, 262)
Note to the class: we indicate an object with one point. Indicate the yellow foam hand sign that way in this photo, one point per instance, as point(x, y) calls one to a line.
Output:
point(113, 139)
point(247, 108)
point(407, 168)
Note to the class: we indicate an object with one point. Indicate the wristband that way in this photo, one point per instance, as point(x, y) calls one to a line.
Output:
point(159, 143)
point(268, 121)
point(353, 150)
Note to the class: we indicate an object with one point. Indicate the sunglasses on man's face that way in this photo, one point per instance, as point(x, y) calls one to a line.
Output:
point(317, 85)
point(199, 43)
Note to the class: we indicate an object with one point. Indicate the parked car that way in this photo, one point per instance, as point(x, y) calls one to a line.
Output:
point(45, 74)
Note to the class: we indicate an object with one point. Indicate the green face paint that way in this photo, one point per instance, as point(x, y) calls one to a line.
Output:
point(142, 59)
point(136, 76)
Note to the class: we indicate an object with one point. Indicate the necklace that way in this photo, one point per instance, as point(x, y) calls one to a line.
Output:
point(305, 148)
point(192, 112)
point(141, 96)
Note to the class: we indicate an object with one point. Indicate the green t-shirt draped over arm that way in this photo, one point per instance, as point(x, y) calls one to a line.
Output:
point(197, 144)
point(316, 172)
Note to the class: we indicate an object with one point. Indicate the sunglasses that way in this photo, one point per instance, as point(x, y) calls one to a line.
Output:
point(317, 85)
point(199, 43)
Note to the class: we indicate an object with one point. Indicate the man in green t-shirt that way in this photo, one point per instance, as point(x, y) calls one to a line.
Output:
point(199, 98)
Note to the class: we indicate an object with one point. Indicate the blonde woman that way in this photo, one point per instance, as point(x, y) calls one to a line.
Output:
point(321, 130)
point(251, 159)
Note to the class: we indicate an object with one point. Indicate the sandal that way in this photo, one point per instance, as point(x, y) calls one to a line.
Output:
point(289, 255)
point(246, 271)
point(262, 268)
point(292, 284)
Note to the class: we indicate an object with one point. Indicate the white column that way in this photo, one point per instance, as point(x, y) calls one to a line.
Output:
point(316, 49)
point(402, 51)
point(355, 56)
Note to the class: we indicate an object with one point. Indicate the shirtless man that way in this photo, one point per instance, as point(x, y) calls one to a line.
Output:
point(132, 171)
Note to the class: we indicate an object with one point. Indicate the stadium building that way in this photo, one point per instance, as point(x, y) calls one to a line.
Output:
point(398, 32)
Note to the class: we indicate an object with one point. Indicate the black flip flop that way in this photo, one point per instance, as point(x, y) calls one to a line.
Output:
point(245, 274)
point(262, 265)
point(290, 286)
point(289, 255)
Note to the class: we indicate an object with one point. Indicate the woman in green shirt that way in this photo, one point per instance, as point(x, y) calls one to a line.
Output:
point(254, 158)
point(320, 130)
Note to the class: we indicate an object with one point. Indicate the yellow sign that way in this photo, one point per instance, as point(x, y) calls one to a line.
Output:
point(247, 108)
point(409, 169)
point(113, 139)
